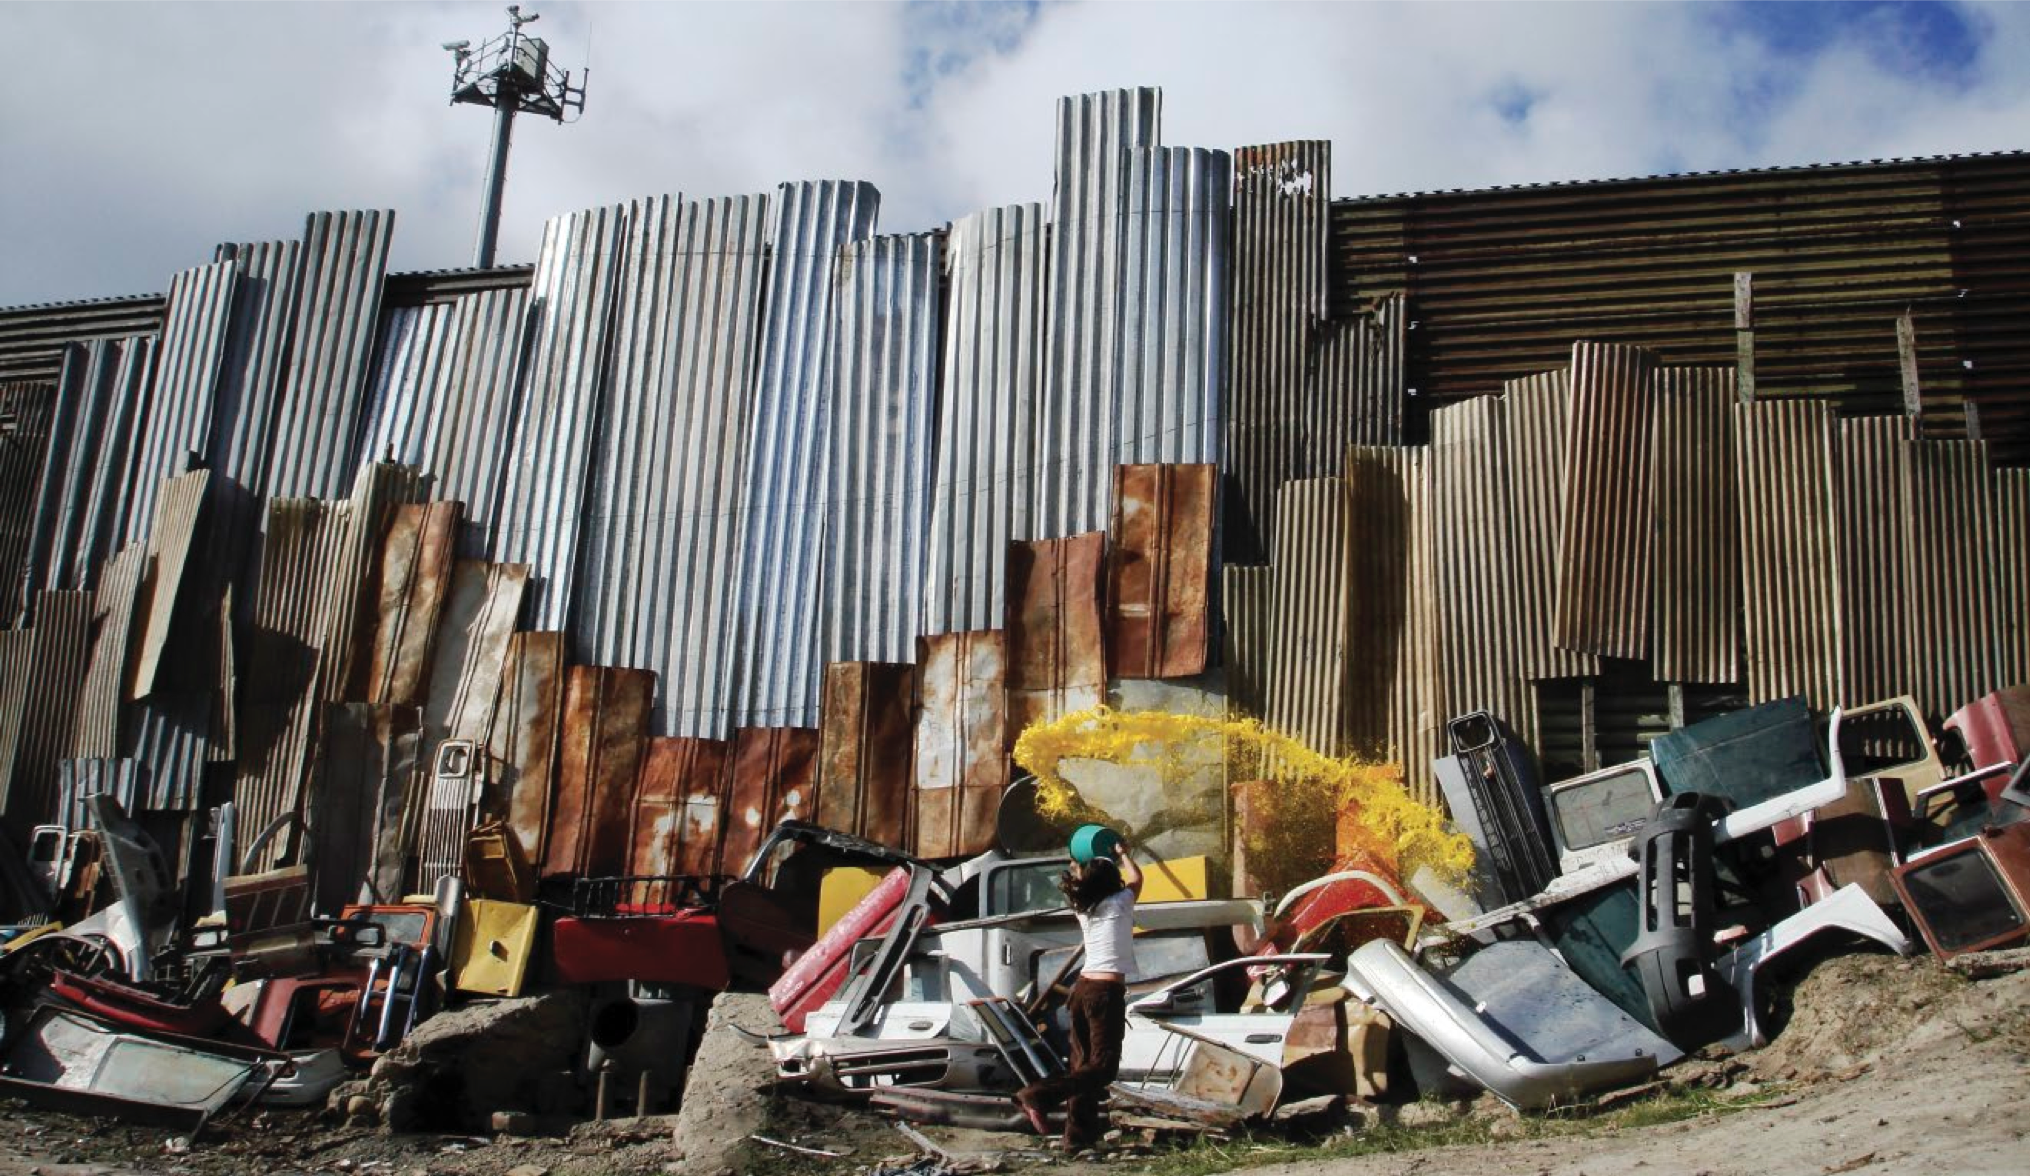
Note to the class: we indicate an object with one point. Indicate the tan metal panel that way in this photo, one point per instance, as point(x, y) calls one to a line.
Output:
point(2012, 553)
point(1535, 419)
point(1057, 659)
point(1875, 563)
point(1159, 570)
point(48, 708)
point(179, 511)
point(522, 742)
point(604, 726)
point(678, 805)
point(1246, 595)
point(1471, 529)
point(377, 490)
point(1396, 693)
point(866, 755)
point(1955, 635)
point(472, 640)
point(773, 779)
point(1789, 571)
point(961, 741)
point(1305, 691)
point(1697, 554)
point(415, 576)
point(113, 614)
point(1604, 547)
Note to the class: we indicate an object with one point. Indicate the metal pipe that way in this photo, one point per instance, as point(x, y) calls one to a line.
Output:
point(496, 178)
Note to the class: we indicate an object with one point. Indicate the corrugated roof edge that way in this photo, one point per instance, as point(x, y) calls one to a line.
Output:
point(81, 303)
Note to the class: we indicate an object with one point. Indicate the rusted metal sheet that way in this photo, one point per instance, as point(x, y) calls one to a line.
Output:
point(1473, 555)
point(473, 630)
point(773, 779)
point(1790, 589)
point(366, 760)
point(2012, 532)
point(1955, 633)
point(415, 578)
point(1535, 417)
point(1057, 659)
point(679, 807)
point(1159, 570)
point(1396, 691)
point(1697, 629)
point(522, 741)
point(178, 515)
point(1604, 546)
point(1310, 613)
point(46, 708)
point(961, 741)
point(866, 757)
point(604, 726)
point(1245, 598)
point(347, 642)
point(113, 612)
point(1874, 559)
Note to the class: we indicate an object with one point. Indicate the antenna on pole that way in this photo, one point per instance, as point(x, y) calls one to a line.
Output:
point(513, 75)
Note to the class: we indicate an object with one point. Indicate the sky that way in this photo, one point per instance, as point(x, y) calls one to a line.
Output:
point(135, 138)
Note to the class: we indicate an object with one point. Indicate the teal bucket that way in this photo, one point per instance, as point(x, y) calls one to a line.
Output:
point(1093, 841)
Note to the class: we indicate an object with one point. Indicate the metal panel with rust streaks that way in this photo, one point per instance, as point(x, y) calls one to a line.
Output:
point(377, 491)
point(1875, 559)
point(1057, 657)
point(104, 688)
point(1395, 692)
point(366, 761)
point(679, 803)
point(473, 630)
point(1159, 570)
point(961, 741)
point(604, 727)
point(415, 577)
point(522, 741)
point(2012, 553)
point(1535, 419)
point(1472, 553)
point(773, 779)
point(1955, 633)
point(1697, 576)
point(178, 515)
point(866, 760)
point(1310, 578)
point(1789, 572)
point(1245, 596)
point(1604, 547)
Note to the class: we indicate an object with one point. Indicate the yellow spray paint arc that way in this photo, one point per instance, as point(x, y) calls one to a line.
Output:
point(1315, 811)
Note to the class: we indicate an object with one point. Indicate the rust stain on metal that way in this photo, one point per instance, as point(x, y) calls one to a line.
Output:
point(1159, 569)
point(678, 805)
point(472, 638)
point(775, 772)
point(605, 722)
point(866, 753)
point(415, 578)
point(1056, 657)
point(522, 741)
point(962, 733)
point(1604, 549)
point(1697, 554)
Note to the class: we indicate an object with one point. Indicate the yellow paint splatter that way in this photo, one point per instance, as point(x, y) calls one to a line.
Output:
point(1309, 812)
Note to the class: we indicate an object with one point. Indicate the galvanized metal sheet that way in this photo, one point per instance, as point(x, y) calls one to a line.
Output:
point(1955, 633)
point(256, 356)
point(961, 741)
point(473, 630)
point(1159, 570)
point(660, 549)
point(773, 779)
point(1281, 228)
point(1604, 547)
point(105, 681)
point(1396, 693)
point(52, 670)
point(170, 736)
point(172, 541)
point(866, 761)
point(1789, 582)
point(605, 722)
point(1311, 613)
point(982, 495)
point(782, 502)
point(1359, 384)
point(366, 760)
point(1874, 559)
point(1472, 530)
point(78, 780)
point(313, 447)
point(2012, 554)
point(522, 742)
point(543, 496)
point(679, 806)
point(415, 578)
point(17, 649)
point(1246, 595)
point(882, 433)
point(1697, 555)
point(1057, 657)
point(30, 410)
point(1089, 263)
point(1535, 417)
point(178, 418)
point(1171, 389)
point(78, 505)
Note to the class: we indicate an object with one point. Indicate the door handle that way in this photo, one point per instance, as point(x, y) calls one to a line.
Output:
point(1262, 1038)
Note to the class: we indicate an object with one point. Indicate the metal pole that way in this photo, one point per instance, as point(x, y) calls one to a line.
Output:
point(496, 180)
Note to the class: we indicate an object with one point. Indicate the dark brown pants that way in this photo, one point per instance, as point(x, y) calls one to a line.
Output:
point(1099, 1020)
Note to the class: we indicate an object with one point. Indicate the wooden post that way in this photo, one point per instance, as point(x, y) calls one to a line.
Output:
point(1589, 731)
point(1744, 336)
point(1973, 412)
point(1906, 357)
point(1675, 691)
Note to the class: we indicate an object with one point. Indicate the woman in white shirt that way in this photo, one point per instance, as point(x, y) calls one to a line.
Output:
point(1102, 894)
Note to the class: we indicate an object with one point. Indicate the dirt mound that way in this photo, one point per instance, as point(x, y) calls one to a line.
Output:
point(1855, 1010)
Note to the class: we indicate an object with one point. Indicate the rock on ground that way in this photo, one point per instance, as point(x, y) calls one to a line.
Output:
point(731, 1083)
point(461, 1066)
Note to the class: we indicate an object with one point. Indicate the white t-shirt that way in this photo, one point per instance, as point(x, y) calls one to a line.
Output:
point(1109, 930)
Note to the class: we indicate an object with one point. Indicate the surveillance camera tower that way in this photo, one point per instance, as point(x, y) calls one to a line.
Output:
point(511, 73)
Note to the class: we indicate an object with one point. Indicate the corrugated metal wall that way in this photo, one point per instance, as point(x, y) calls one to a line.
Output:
point(1173, 319)
point(1697, 552)
point(1305, 675)
point(256, 357)
point(315, 442)
point(1535, 417)
point(1160, 568)
point(1395, 701)
point(1472, 551)
point(1789, 569)
point(1875, 559)
point(2012, 531)
point(1604, 548)
point(1954, 631)
point(79, 511)
point(173, 429)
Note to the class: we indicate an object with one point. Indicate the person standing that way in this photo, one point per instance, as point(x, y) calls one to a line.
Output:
point(1102, 894)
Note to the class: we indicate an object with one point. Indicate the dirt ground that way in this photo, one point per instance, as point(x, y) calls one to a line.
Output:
point(1886, 1066)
